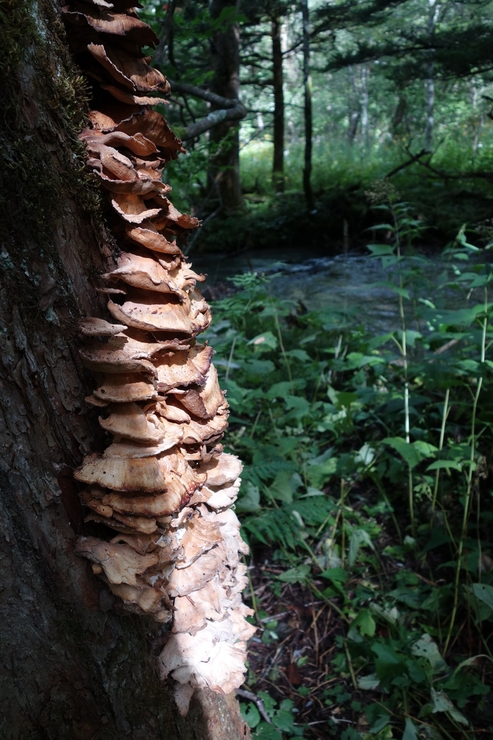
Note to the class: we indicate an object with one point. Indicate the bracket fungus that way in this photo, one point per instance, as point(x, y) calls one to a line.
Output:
point(163, 487)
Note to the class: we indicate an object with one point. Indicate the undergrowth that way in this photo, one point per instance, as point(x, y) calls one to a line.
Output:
point(367, 475)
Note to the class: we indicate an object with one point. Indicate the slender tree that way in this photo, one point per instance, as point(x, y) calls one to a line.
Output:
point(226, 83)
point(308, 115)
point(278, 86)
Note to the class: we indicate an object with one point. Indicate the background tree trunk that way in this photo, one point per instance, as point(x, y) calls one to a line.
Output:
point(278, 162)
point(71, 666)
point(226, 82)
point(433, 10)
point(307, 85)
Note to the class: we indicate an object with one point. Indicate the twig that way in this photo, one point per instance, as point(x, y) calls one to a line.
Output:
point(409, 162)
point(256, 700)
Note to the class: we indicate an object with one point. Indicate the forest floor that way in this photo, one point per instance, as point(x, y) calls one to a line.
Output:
point(298, 651)
point(297, 665)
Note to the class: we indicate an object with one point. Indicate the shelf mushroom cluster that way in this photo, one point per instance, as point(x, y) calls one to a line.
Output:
point(164, 486)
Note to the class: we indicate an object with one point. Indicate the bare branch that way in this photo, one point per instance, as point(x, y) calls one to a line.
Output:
point(199, 92)
point(211, 120)
point(231, 109)
point(414, 158)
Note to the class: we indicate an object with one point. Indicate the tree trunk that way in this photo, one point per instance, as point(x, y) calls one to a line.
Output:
point(71, 666)
point(307, 86)
point(365, 101)
point(278, 162)
point(226, 83)
point(430, 79)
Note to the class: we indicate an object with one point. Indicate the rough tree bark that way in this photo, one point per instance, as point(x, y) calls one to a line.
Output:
point(71, 666)
point(226, 83)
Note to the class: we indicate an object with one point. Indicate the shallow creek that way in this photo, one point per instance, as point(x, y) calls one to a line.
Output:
point(347, 284)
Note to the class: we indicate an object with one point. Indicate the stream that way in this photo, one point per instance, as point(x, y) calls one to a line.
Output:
point(346, 283)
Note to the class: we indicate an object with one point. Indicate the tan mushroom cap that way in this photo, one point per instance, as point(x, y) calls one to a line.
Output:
point(172, 412)
point(200, 536)
point(152, 123)
point(141, 543)
point(147, 475)
point(141, 185)
point(120, 563)
point(221, 470)
point(123, 474)
point(127, 97)
point(206, 660)
point(171, 215)
point(132, 207)
point(94, 327)
point(95, 401)
point(185, 580)
point(206, 431)
point(148, 313)
point(149, 506)
point(148, 600)
point(218, 498)
point(122, 448)
point(132, 73)
point(130, 421)
point(125, 388)
point(129, 525)
point(183, 368)
point(152, 239)
point(204, 402)
point(143, 271)
point(182, 694)
point(120, 166)
point(193, 610)
point(123, 354)
point(117, 24)
point(202, 453)
point(138, 144)
point(96, 504)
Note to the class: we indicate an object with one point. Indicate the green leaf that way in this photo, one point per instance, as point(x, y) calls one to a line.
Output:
point(249, 500)
point(295, 575)
point(299, 404)
point(441, 703)
point(267, 732)
point(365, 623)
point(425, 449)
point(341, 399)
point(284, 720)
point(250, 714)
point(368, 683)
point(280, 390)
point(410, 731)
point(282, 487)
point(365, 455)
point(405, 449)
point(358, 538)
point(319, 474)
point(444, 465)
point(411, 336)
point(483, 593)
point(388, 663)
point(427, 648)
point(391, 286)
point(266, 339)
point(298, 354)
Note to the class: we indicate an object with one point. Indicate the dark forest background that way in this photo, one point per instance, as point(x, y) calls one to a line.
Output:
point(313, 102)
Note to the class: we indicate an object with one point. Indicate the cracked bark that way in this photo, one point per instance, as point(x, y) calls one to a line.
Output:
point(70, 666)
